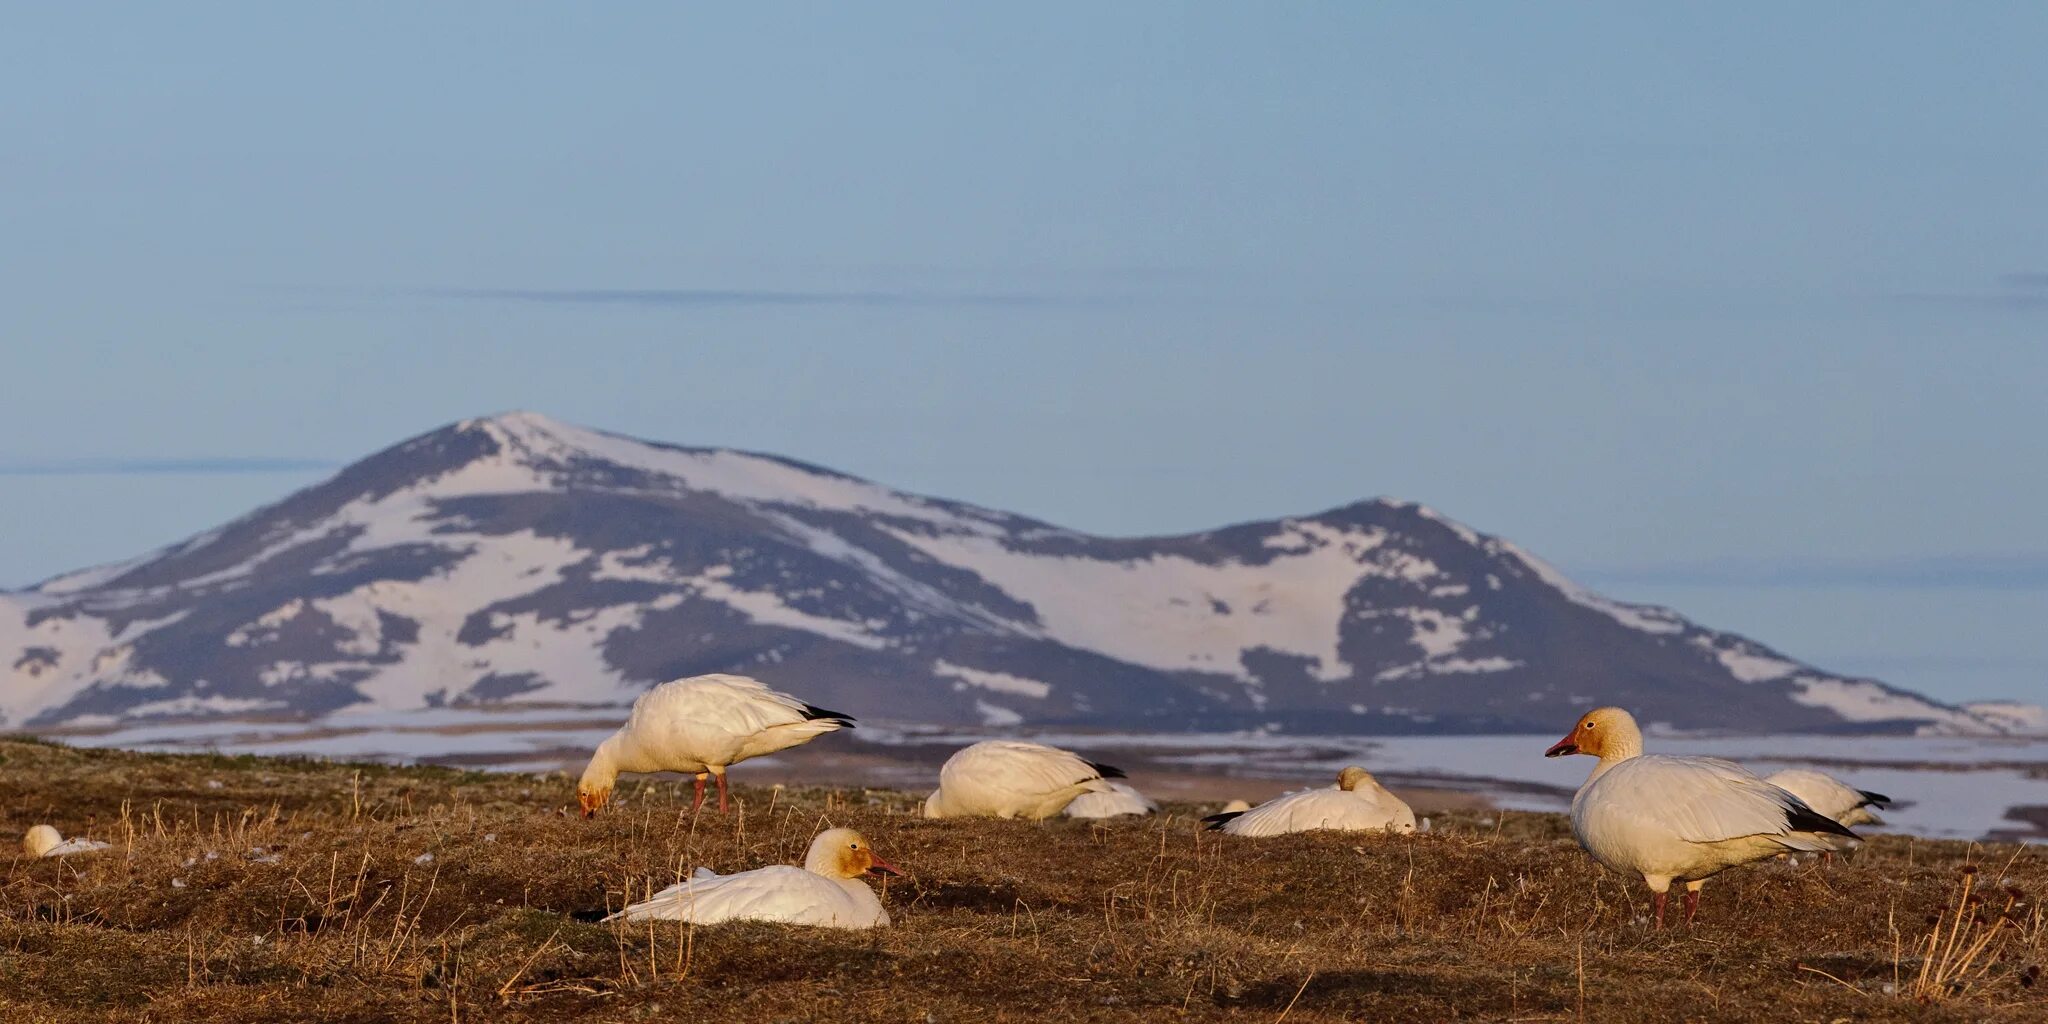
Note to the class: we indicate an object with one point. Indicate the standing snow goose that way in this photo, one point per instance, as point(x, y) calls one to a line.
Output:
point(1014, 779)
point(1684, 819)
point(702, 725)
point(46, 841)
point(1358, 803)
point(1119, 799)
point(826, 892)
point(1830, 796)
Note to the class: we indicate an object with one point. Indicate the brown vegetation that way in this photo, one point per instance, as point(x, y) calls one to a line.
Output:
point(244, 889)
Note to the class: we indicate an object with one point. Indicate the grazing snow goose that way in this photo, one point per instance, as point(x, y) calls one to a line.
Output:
point(1830, 796)
point(46, 841)
point(1358, 803)
point(1673, 818)
point(826, 892)
point(702, 725)
point(1014, 779)
point(1120, 799)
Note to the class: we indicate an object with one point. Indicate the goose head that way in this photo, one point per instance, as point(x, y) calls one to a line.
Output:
point(41, 840)
point(844, 853)
point(1603, 733)
point(592, 798)
point(1352, 778)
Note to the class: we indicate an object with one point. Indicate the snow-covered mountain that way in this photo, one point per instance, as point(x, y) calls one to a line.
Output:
point(519, 559)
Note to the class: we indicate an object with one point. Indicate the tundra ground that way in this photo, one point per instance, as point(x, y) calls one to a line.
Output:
point(245, 889)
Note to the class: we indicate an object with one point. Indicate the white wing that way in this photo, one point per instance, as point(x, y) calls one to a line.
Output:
point(1820, 791)
point(1322, 809)
point(71, 846)
point(1694, 799)
point(780, 893)
point(1016, 767)
point(1119, 800)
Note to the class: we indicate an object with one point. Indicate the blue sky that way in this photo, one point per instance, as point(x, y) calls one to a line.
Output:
point(1737, 309)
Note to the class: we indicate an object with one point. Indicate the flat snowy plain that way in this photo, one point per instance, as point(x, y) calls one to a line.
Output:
point(1944, 786)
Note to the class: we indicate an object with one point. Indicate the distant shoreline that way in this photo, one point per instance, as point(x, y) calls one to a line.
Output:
point(1947, 786)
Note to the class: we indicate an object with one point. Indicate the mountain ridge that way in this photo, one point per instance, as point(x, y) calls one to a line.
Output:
point(514, 557)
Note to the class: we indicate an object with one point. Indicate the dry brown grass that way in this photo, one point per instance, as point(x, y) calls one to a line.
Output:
point(294, 891)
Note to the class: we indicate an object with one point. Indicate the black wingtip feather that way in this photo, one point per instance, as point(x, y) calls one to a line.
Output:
point(813, 713)
point(1869, 798)
point(1217, 821)
point(1108, 771)
point(1802, 818)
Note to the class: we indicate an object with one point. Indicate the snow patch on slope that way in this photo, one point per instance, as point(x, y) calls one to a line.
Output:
point(998, 682)
point(740, 476)
point(1179, 614)
point(1858, 700)
point(44, 664)
point(1647, 618)
point(2012, 716)
point(1744, 663)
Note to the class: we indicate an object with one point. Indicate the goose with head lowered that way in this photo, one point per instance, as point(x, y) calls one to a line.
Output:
point(1830, 796)
point(702, 725)
point(1358, 803)
point(1014, 779)
point(827, 892)
point(1686, 819)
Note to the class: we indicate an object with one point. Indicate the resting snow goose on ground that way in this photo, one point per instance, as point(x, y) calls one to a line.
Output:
point(1119, 800)
point(702, 725)
point(827, 892)
point(1830, 796)
point(1014, 779)
point(1680, 818)
point(1358, 803)
point(46, 841)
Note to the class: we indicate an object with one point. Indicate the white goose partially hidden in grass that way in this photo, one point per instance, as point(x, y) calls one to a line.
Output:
point(702, 725)
point(1119, 800)
point(1014, 779)
point(1684, 819)
point(827, 892)
point(46, 841)
point(1358, 803)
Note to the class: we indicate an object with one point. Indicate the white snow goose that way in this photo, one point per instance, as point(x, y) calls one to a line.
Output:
point(46, 841)
point(1830, 796)
point(702, 725)
point(1120, 799)
point(1358, 803)
point(1014, 779)
point(1680, 818)
point(827, 892)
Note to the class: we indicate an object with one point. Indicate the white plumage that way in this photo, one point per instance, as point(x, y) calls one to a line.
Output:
point(1357, 803)
point(1680, 818)
point(1830, 796)
point(46, 841)
point(702, 725)
point(1014, 779)
point(826, 892)
point(1120, 799)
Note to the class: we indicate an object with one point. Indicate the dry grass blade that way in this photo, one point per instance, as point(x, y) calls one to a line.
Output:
point(1956, 964)
point(1296, 999)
